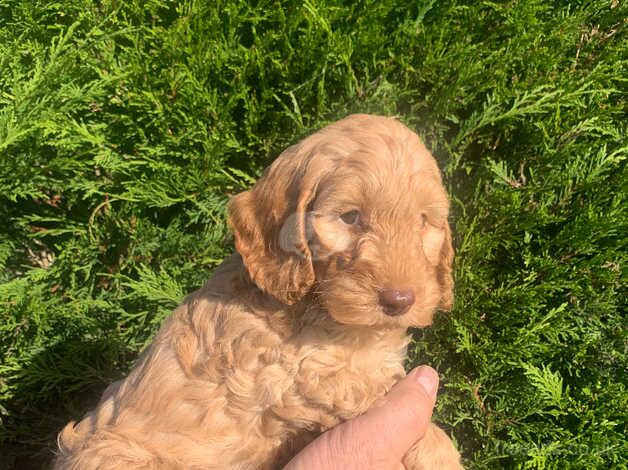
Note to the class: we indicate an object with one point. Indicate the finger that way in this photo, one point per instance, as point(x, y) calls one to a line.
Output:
point(380, 437)
point(389, 430)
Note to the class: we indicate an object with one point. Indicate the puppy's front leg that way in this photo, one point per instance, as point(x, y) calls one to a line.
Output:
point(434, 452)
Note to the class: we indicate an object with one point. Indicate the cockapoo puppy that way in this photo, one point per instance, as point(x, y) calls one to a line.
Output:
point(342, 245)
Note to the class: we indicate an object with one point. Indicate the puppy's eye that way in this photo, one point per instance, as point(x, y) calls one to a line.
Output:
point(351, 217)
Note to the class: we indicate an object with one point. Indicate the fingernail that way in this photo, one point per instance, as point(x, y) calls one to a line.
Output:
point(428, 379)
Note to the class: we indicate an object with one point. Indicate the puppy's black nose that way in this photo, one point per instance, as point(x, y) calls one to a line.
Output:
point(396, 301)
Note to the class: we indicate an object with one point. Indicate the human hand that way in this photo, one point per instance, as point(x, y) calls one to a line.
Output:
point(378, 439)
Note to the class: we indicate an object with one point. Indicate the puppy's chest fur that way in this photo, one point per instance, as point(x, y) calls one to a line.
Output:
point(223, 368)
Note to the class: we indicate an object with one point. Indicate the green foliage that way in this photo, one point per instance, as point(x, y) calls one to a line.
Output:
point(125, 126)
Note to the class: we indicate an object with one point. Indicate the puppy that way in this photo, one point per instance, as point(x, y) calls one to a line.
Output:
point(342, 245)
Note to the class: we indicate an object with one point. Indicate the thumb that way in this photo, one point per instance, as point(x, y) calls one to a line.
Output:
point(381, 437)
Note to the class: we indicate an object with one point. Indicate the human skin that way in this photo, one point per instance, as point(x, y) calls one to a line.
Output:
point(381, 437)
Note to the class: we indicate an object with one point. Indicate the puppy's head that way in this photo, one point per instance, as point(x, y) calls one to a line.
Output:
point(356, 214)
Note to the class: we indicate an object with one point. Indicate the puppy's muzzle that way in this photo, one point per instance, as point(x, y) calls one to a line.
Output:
point(396, 301)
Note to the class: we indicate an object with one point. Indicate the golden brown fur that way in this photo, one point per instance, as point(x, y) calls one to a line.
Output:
point(288, 338)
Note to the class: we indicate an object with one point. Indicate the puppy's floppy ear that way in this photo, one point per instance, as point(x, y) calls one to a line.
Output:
point(445, 274)
point(269, 225)
point(439, 252)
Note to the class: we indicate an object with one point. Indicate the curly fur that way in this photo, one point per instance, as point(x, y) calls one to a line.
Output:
point(287, 339)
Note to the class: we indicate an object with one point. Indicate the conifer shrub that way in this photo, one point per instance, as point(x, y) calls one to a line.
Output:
point(125, 127)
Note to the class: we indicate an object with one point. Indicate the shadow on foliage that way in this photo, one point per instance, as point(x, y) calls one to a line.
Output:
point(40, 409)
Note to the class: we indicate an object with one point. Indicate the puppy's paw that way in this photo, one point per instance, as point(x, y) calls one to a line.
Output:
point(434, 452)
